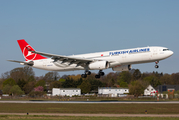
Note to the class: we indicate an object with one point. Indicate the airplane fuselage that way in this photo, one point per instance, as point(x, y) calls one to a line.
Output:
point(117, 58)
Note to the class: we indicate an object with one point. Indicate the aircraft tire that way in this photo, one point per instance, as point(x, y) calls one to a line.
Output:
point(97, 76)
point(83, 75)
point(156, 66)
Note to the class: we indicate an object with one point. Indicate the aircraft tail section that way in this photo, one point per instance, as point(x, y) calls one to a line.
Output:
point(26, 51)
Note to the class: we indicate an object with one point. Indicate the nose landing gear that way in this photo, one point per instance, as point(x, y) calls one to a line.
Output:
point(156, 66)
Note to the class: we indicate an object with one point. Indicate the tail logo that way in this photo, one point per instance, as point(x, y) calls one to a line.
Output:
point(27, 54)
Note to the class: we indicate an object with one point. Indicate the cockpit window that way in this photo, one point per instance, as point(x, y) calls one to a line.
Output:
point(165, 49)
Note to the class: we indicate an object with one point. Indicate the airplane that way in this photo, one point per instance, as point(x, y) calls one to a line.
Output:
point(118, 60)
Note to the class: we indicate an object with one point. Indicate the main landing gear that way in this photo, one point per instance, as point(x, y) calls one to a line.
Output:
point(86, 73)
point(156, 66)
point(100, 73)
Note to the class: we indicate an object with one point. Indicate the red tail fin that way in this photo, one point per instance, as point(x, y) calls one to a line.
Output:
point(26, 48)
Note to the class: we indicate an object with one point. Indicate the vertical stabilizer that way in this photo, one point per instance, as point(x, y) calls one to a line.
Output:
point(26, 48)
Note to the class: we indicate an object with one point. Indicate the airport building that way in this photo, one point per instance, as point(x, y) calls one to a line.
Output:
point(112, 92)
point(66, 92)
point(163, 88)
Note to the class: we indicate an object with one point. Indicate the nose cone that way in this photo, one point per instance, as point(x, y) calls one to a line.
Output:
point(171, 52)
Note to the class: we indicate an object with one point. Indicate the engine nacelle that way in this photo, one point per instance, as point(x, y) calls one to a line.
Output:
point(122, 68)
point(99, 65)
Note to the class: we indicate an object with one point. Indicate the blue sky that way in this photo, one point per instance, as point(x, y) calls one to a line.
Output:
point(67, 27)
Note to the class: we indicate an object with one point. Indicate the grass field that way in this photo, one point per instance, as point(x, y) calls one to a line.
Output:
point(8, 117)
point(117, 108)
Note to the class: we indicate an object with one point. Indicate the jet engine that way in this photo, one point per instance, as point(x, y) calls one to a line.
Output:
point(99, 65)
point(122, 68)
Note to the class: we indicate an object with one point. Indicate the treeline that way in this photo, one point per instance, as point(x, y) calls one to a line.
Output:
point(23, 81)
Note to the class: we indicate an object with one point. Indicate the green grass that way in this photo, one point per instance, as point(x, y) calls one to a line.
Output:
point(36, 117)
point(90, 98)
point(115, 108)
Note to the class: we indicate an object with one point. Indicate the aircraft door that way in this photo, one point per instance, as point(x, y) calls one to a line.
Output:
point(44, 63)
point(155, 53)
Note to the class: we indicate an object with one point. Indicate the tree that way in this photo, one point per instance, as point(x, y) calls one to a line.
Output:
point(39, 89)
point(25, 73)
point(31, 78)
point(123, 84)
point(9, 81)
point(109, 79)
point(6, 89)
point(136, 75)
point(51, 76)
point(28, 73)
point(64, 76)
point(69, 83)
point(1, 84)
point(136, 88)
point(16, 90)
point(55, 84)
point(154, 81)
point(37, 92)
point(40, 83)
point(29, 87)
point(95, 84)
point(85, 86)
point(61, 80)
point(21, 83)
point(175, 78)
point(74, 77)
point(5, 75)
point(124, 76)
point(166, 79)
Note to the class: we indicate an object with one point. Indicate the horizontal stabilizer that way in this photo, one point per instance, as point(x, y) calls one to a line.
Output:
point(31, 63)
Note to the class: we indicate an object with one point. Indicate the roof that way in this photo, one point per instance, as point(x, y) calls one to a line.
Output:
point(112, 88)
point(150, 86)
point(68, 88)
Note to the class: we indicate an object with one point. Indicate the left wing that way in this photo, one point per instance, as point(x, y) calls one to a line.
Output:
point(31, 63)
point(71, 60)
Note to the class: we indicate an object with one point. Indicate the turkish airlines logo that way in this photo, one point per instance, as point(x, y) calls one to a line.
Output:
point(27, 54)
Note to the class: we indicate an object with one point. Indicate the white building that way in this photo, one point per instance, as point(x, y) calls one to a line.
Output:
point(149, 91)
point(66, 91)
point(113, 92)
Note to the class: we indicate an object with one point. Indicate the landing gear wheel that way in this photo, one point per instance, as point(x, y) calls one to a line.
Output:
point(102, 74)
point(97, 76)
point(88, 72)
point(156, 66)
point(83, 75)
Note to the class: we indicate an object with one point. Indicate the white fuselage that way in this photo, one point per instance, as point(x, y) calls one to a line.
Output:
point(116, 58)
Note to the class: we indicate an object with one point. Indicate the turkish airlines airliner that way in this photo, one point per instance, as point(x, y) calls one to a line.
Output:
point(118, 60)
